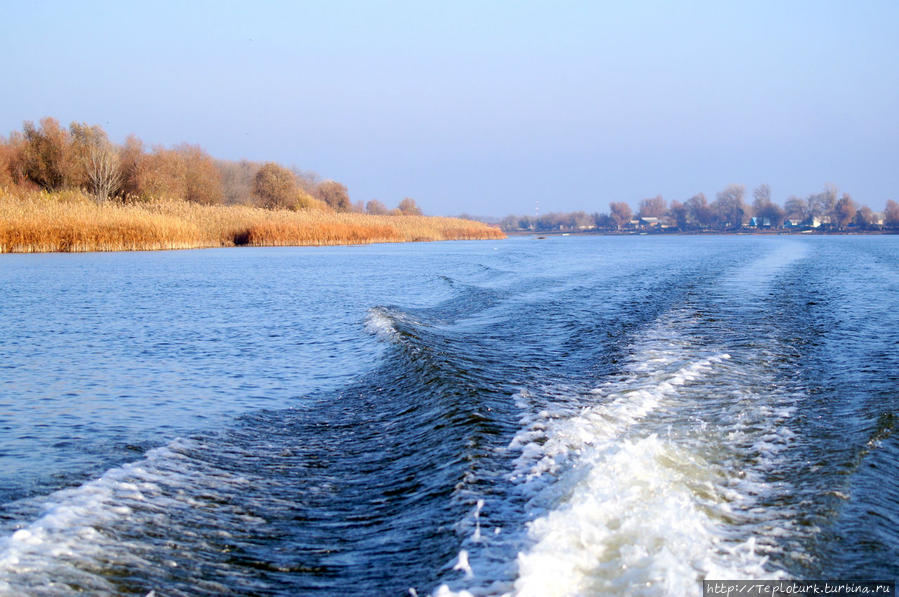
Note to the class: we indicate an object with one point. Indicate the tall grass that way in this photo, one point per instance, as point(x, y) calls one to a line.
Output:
point(38, 221)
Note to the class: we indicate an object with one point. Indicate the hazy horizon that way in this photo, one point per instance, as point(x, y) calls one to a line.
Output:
point(485, 109)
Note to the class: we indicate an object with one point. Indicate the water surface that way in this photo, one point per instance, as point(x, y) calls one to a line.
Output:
point(569, 416)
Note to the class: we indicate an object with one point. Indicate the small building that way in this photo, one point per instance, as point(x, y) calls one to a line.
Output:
point(757, 222)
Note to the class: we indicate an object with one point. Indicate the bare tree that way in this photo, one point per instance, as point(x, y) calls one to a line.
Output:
point(104, 173)
point(766, 211)
point(203, 180)
point(864, 218)
point(237, 180)
point(276, 187)
point(408, 207)
point(772, 213)
point(620, 213)
point(729, 206)
point(820, 205)
point(891, 213)
point(376, 208)
point(762, 195)
point(796, 209)
point(652, 208)
point(334, 194)
point(844, 211)
point(699, 212)
point(677, 211)
point(47, 158)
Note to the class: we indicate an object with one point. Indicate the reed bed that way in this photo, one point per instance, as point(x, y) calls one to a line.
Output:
point(70, 221)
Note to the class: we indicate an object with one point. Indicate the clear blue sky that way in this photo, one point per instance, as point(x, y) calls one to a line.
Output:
point(484, 107)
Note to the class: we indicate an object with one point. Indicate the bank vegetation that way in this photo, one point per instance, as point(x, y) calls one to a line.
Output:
point(730, 211)
point(72, 189)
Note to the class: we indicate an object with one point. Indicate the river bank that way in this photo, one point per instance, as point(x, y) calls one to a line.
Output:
point(70, 221)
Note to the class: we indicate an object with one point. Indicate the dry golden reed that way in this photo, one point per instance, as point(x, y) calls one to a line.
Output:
point(38, 221)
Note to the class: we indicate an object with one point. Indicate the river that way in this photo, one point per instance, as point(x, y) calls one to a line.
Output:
point(568, 416)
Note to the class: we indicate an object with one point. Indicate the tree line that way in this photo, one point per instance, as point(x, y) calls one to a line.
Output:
point(54, 158)
point(730, 211)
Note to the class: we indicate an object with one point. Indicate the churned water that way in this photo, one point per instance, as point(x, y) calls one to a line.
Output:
point(569, 416)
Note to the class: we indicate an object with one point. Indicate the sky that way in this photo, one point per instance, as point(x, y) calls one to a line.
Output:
point(484, 107)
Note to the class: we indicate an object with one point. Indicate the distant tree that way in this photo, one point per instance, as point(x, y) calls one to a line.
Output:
point(376, 208)
point(821, 205)
point(729, 207)
point(621, 213)
point(579, 220)
point(334, 194)
point(86, 144)
point(10, 158)
point(604, 221)
point(164, 175)
point(699, 212)
point(549, 221)
point(509, 223)
point(761, 195)
point(677, 211)
point(796, 209)
point(307, 180)
point(891, 214)
point(275, 187)
point(864, 218)
point(237, 180)
point(133, 165)
point(765, 209)
point(652, 208)
point(47, 158)
point(844, 211)
point(527, 223)
point(771, 212)
point(828, 198)
point(408, 207)
point(202, 181)
point(358, 207)
point(103, 169)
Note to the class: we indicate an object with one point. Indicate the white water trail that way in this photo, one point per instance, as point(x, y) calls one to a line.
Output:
point(76, 540)
point(638, 494)
point(656, 482)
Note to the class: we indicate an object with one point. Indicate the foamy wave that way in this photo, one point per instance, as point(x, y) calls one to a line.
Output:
point(380, 323)
point(632, 525)
point(550, 437)
point(69, 548)
point(621, 507)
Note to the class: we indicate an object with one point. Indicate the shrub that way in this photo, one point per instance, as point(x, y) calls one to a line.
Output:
point(133, 165)
point(275, 187)
point(334, 194)
point(202, 182)
point(376, 208)
point(163, 175)
point(408, 207)
point(47, 157)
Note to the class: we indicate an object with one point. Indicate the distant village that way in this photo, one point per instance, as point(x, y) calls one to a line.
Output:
point(827, 211)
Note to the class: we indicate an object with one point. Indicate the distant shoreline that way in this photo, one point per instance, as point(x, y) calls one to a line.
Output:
point(745, 232)
point(70, 221)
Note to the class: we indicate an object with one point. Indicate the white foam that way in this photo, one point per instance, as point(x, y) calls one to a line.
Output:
point(622, 507)
point(379, 323)
point(631, 524)
point(463, 565)
point(74, 539)
point(551, 437)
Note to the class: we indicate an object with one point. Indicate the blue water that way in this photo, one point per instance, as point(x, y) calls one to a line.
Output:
point(569, 416)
